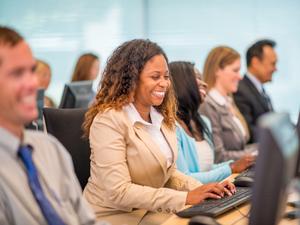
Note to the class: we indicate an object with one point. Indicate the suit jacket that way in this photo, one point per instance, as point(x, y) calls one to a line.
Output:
point(128, 171)
point(251, 104)
point(228, 138)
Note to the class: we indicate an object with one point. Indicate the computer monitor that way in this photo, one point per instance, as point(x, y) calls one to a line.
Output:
point(275, 168)
point(77, 94)
point(38, 123)
point(298, 162)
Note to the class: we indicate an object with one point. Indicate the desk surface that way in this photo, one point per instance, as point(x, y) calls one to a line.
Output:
point(236, 216)
point(233, 216)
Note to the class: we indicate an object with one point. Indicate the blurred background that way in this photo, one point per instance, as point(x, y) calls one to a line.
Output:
point(60, 31)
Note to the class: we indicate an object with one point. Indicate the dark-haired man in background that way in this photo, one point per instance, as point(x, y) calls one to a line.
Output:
point(251, 97)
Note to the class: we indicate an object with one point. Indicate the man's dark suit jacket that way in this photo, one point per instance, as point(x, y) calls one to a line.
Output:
point(251, 104)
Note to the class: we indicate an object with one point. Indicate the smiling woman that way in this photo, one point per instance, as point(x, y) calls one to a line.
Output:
point(131, 128)
point(230, 132)
point(153, 85)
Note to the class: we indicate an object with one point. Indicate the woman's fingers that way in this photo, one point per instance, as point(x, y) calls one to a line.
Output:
point(217, 191)
point(229, 186)
point(212, 195)
point(228, 192)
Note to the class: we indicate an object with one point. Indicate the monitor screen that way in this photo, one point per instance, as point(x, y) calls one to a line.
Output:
point(77, 94)
point(38, 123)
point(275, 168)
point(298, 162)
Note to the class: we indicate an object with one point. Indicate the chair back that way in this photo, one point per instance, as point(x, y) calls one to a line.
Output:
point(65, 125)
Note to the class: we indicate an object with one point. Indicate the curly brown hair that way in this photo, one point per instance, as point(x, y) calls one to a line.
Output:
point(120, 79)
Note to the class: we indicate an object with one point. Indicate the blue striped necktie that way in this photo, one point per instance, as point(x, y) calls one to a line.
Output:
point(52, 218)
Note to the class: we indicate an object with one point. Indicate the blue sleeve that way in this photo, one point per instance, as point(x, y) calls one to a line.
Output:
point(213, 175)
point(222, 164)
point(187, 161)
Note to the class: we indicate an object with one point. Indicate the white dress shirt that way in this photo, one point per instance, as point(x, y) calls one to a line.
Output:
point(255, 81)
point(56, 175)
point(152, 128)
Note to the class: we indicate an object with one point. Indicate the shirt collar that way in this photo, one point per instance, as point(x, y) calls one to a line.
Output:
point(135, 116)
point(216, 95)
point(255, 81)
point(9, 142)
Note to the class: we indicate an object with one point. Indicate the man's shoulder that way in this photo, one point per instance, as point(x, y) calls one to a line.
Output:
point(41, 140)
point(46, 145)
point(245, 87)
point(39, 136)
point(245, 82)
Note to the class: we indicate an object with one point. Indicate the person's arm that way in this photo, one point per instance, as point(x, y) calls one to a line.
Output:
point(221, 153)
point(217, 165)
point(85, 214)
point(182, 182)
point(4, 217)
point(107, 138)
point(213, 175)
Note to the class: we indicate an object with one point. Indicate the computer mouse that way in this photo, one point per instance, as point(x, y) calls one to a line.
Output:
point(203, 220)
point(243, 182)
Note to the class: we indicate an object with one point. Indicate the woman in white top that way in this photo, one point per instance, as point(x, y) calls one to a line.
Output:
point(230, 132)
point(195, 141)
point(131, 128)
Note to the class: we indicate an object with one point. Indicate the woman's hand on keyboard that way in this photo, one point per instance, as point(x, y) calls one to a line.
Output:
point(243, 163)
point(228, 187)
point(211, 190)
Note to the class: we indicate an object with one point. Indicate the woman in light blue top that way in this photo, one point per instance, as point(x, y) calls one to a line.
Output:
point(196, 148)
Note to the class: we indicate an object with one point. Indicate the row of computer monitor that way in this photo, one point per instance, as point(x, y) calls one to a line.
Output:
point(78, 94)
point(278, 163)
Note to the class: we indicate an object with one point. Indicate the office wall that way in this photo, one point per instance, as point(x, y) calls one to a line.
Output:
point(59, 31)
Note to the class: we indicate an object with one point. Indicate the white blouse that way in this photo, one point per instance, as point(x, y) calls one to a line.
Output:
point(152, 128)
point(205, 155)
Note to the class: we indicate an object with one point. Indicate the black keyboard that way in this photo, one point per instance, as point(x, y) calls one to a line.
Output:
point(215, 207)
point(250, 172)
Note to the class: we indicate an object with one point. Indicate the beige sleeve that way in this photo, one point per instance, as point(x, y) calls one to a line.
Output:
point(182, 182)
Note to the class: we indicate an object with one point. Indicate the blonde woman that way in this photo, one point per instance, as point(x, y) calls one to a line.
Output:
point(230, 132)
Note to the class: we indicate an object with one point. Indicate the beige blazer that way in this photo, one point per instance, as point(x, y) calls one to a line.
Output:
point(228, 138)
point(128, 171)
